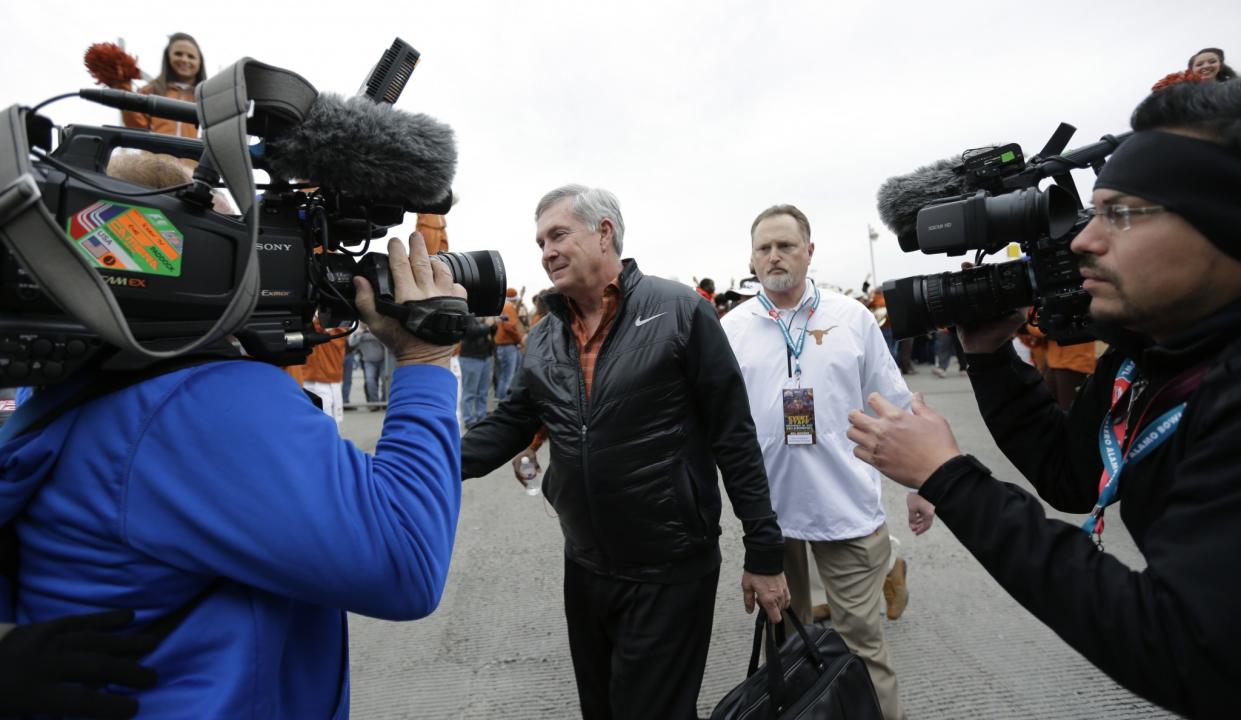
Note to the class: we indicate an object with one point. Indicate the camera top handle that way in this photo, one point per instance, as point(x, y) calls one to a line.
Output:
point(224, 103)
point(1050, 162)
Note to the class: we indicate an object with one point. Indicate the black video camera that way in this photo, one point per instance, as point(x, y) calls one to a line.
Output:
point(1002, 204)
point(97, 271)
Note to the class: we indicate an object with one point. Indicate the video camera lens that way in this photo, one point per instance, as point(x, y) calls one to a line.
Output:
point(920, 304)
point(1027, 215)
point(481, 273)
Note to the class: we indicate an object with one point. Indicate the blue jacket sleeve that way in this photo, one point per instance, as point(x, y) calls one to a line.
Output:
point(237, 475)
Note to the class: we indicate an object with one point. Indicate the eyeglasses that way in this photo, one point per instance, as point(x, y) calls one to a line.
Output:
point(1118, 216)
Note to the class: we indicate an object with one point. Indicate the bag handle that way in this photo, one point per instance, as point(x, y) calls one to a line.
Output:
point(775, 665)
point(775, 669)
point(812, 650)
point(758, 643)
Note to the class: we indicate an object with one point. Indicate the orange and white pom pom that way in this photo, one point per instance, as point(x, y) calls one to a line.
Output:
point(111, 66)
point(1175, 79)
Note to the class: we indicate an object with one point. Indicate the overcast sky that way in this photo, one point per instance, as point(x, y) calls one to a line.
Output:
point(696, 114)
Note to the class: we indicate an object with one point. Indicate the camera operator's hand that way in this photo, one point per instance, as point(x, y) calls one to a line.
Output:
point(415, 276)
point(987, 336)
point(54, 667)
point(906, 447)
point(921, 513)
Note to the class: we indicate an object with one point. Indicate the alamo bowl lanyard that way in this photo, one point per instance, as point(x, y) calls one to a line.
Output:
point(794, 348)
point(1112, 445)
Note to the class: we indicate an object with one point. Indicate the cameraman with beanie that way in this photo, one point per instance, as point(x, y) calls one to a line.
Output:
point(1155, 428)
point(217, 503)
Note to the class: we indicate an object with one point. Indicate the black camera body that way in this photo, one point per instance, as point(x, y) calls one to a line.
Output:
point(1005, 206)
point(174, 265)
point(169, 297)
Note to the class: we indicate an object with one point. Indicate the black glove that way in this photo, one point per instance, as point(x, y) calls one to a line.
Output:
point(59, 667)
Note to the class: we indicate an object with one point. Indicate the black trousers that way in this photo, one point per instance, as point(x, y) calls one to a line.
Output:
point(639, 649)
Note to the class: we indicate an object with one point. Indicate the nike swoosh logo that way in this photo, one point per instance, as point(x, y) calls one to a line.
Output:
point(642, 321)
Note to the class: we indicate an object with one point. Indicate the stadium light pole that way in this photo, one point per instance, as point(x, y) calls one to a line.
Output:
point(874, 236)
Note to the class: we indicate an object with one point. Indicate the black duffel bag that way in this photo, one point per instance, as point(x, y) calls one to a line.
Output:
point(813, 676)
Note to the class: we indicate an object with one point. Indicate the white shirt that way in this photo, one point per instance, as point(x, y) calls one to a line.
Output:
point(820, 491)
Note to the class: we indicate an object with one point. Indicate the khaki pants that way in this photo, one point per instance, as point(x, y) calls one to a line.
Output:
point(852, 572)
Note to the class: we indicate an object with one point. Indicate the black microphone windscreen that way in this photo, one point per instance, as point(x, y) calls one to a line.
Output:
point(901, 197)
point(368, 149)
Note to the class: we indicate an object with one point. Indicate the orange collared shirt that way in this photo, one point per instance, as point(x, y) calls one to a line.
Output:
point(588, 347)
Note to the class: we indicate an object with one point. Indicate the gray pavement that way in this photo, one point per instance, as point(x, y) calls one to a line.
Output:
point(497, 647)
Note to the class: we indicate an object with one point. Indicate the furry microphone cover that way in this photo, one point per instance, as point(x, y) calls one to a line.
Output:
point(902, 196)
point(369, 150)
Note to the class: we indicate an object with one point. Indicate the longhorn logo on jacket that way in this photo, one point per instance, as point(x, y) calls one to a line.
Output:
point(820, 334)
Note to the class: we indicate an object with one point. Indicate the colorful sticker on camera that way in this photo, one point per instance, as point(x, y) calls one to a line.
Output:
point(115, 236)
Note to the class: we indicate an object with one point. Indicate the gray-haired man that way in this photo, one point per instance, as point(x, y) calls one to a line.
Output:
point(633, 379)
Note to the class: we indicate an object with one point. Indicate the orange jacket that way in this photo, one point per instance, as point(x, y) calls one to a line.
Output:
point(434, 229)
point(327, 361)
point(298, 373)
point(879, 308)
point(508, 330)
point(1078, 358)
point(162, 125)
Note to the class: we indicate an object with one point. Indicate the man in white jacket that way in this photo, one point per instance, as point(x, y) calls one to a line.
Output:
point(808, 357)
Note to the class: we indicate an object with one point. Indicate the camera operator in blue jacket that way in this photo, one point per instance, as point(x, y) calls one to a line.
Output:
point(221, 491)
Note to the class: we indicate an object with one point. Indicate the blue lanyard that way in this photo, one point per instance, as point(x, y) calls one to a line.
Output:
point(1111, 446)
point(795, 348)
